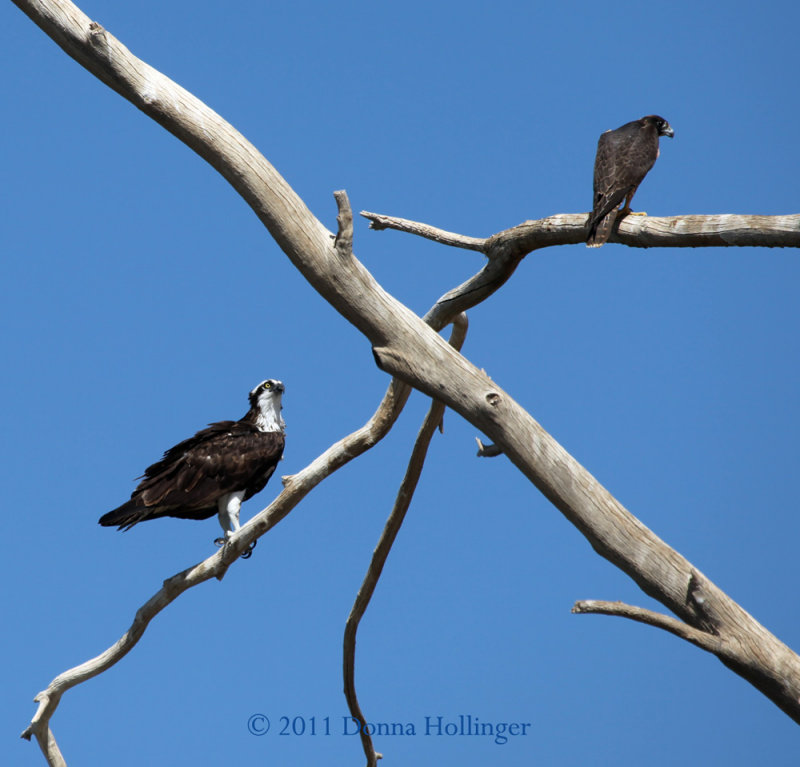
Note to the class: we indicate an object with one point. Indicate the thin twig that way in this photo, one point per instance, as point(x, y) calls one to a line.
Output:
point(701, 639)
point(381, 553)
point(378, 221)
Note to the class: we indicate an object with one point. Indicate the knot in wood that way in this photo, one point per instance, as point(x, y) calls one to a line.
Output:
point(493, 398)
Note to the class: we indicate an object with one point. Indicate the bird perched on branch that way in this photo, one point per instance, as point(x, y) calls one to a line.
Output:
point(213, 471)
point(624, 156)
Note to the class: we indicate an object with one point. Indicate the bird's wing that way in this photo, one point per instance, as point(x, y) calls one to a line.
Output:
point(222, 458)
point(613, 177)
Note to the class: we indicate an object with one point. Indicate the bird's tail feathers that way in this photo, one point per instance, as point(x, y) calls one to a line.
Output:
point(600, 232)
point(125, 516)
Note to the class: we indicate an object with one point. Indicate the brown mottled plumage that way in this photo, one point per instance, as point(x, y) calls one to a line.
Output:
point(624, 157)
point(213, 471)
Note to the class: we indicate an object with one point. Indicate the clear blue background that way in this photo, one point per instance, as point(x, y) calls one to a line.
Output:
point(141, 299)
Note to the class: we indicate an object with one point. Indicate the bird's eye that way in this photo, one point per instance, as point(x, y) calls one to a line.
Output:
point(268, 384)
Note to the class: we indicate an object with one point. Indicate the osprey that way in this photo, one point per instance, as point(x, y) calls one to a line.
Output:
point(214, 471)
point(624, 157)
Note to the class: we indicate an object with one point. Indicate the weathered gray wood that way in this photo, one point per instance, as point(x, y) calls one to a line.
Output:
point(405, 346)
point(639, 231)
point(506, 249)
point(296, 487)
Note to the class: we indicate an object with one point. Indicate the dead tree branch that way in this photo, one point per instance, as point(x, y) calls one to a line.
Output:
point(691, 231)
point(378, 221)
point(702, 639)
point(404, 495)
point(407, 348)
point(505, 250)
point(296, 487)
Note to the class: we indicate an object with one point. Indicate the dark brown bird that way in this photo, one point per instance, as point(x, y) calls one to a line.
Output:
point(624, 157)
point(213, 471)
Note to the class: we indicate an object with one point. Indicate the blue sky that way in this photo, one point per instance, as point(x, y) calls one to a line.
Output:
point(141, 299)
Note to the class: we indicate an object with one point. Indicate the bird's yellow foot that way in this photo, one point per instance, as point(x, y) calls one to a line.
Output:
point(626, 211)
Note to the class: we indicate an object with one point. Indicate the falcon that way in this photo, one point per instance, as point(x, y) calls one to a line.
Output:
point(624, 157)
point(214, 471)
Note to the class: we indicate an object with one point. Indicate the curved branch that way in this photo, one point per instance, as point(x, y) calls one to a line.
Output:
point(296, 487)
point(641, 231)
point(381, 553)
point(407, 348)
point(702, 639)
point(506, 249)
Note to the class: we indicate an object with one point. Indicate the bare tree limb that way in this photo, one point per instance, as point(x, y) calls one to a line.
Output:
point(642, 231)
point(506, 249)
point(47, 743)
point(407, 348)
point(404, 495)
point(296, 487)
point(702, 639)
point(378, 221)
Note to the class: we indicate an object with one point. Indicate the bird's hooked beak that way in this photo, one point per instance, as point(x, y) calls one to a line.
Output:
point(667, 131)
point(280, 389)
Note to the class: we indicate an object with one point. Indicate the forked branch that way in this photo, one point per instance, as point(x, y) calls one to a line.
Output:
point(404, 495)
point(690, 231)
point(506, 249)
point(296, 487)
point(409, 349)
